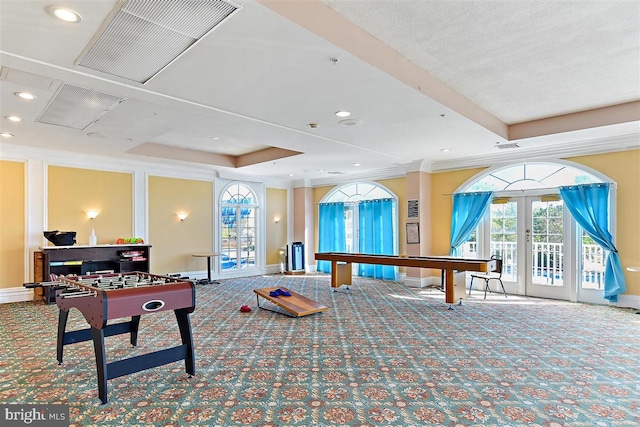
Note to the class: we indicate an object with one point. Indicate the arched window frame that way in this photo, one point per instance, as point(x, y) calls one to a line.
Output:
point(221, 188)
point(354, 198)
point(468, 184)
point(572, 233)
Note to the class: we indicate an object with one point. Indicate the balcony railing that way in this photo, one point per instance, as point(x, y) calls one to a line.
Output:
point(547, 262)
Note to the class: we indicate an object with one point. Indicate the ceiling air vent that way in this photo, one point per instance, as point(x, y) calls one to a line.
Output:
point(143, 37)
point(76, 107)
point(506, 146)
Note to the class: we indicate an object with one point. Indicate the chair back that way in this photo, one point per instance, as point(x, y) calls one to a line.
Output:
point(498, 268)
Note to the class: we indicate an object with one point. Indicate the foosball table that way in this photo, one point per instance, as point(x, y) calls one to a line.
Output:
point(105, 297)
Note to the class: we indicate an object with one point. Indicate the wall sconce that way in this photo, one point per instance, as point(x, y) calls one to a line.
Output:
point(276, 219)
point(92, 214)
point(182, 216)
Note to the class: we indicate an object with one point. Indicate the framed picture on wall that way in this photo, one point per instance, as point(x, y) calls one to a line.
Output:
point(413, 209)
point(413, 232)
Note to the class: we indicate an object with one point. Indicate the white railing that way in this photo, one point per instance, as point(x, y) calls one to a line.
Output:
point(547, 262)
point(593, 258)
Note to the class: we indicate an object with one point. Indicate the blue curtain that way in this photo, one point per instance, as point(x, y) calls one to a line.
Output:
point(376, 236)
point(589, 205)
point(468, 210)
point(331, 234)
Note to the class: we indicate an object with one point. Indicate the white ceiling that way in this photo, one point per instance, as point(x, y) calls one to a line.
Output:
point(555, 77)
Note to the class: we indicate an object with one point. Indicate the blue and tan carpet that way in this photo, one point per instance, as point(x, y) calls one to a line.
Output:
point(382, 355)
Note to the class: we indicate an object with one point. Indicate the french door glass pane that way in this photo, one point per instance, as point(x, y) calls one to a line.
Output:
point(229, 245)
point(349, 229)
point(248, 241)
point(504, 237)
point(470, 246)
point(593, 258)
point(547, 261)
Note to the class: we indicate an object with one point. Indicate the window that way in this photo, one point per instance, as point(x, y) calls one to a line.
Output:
point(531, 176)
point(357, 192)
point(369, 216)
point(238, 231)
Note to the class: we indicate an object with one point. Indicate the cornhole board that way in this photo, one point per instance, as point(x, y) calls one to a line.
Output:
point(294, 306)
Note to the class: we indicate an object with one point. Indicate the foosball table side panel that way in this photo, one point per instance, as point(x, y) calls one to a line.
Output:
point(92, 308)
point(150, 299)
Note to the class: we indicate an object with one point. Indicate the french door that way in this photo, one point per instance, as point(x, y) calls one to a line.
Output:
point(530, 234)
point(547, 246)
point(545, 254)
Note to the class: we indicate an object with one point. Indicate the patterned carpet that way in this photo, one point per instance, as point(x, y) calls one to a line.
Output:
point(382, 355)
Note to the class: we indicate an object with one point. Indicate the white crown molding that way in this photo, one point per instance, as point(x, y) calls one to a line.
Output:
point(158, 167)
point(564, 150)
point(372, 175)
point(203, 172)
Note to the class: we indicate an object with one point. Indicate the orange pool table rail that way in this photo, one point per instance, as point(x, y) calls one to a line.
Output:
point(341, 266)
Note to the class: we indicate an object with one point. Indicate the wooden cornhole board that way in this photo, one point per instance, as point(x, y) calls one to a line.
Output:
point(297, 305)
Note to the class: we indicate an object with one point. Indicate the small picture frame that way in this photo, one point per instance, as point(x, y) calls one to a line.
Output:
point(413, 232)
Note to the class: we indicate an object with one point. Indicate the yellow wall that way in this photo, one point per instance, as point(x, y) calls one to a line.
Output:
point(174, 241)
point(624, 168)
point(276, 234)
point(12, 225)
point(72, 192)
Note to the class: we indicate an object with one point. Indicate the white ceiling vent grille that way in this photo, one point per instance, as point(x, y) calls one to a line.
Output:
point(507, 146)
point(76, 107)
point(144, 37)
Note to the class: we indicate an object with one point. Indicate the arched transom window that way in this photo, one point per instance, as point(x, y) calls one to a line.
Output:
point(357, 192)
point(530, 176)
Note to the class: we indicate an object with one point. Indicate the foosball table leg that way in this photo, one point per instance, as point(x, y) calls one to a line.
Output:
point(182, 316)
point(62, 325)
point(135, 323)
point(101, 362)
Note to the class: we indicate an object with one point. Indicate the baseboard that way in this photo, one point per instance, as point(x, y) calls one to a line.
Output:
point(274, 269)
point(18, 294)
point(632, 301)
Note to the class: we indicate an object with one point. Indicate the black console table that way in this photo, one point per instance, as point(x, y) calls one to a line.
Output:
point(81, 260)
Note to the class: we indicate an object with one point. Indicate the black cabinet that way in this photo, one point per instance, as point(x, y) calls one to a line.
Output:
point(89, 259)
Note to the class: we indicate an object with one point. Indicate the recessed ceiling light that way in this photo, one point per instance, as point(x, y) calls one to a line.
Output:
point(6, 135)
point(13, 118)
point(25, 95)
point(357, 164)
point(290, 174)
point(343, 113)
point(64, 14)
point(446, 150)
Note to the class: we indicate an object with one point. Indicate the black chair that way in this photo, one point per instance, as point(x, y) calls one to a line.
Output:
point(495, 274)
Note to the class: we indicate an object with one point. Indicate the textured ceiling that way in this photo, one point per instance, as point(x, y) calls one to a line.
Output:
point(519, 60)
point(418, 76)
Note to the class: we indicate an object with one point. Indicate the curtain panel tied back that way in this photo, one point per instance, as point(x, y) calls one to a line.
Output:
point(589, 206)
point(468, 210)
